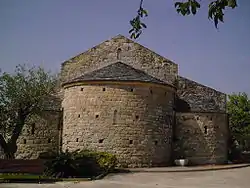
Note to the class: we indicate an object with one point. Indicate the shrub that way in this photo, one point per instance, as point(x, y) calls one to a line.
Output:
point(79, 164)
point(235, 151)
point(106, 161)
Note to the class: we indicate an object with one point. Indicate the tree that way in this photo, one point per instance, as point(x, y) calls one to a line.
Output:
point(22, 95)
point(238, 108)
point(215, 12)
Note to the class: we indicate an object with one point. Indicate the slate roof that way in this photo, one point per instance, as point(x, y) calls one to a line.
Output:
point(117, 72)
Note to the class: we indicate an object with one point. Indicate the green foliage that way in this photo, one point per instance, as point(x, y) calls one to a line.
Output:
point(137, 24)
point(68, 164)
point(21, 95)
point(238, 108)
point(79, 164)
point(105, 160)
point(185, 8)
point(215, 12)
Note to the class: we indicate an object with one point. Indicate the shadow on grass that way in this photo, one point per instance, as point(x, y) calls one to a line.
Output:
point(30, 178)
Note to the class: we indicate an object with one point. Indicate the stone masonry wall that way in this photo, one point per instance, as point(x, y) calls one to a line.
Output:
point(195, 97)
point(134, 122)
point(120, 49)
point(39, 135)
point(201, 137)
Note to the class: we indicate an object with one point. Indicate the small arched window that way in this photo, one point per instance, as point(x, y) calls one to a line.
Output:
point(118, 53)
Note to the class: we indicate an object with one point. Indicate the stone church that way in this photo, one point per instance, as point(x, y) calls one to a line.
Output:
point(123, 98)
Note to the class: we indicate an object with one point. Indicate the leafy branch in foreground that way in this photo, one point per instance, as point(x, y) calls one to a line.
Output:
point(136, 23)
point(215, 12)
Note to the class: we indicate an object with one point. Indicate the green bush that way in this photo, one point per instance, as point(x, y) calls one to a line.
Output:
point(106, 161)
point(235, 151)
point(79, 164)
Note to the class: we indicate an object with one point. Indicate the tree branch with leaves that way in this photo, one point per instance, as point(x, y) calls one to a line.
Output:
point(216, 10)
point(22, 95)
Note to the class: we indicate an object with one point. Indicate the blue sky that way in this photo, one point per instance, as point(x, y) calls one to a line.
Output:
point(49, 32)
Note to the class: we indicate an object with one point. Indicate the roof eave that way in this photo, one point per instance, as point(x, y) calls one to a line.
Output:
point(113, 81)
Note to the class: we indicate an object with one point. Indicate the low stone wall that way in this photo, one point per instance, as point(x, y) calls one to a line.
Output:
point(40, 134)
point(35, 166)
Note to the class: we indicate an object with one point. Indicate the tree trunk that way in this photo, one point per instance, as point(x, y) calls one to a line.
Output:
point(10, 147)
point(9, 150)
point(3, 146)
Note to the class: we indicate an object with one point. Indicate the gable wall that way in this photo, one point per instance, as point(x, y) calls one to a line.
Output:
point(131, 53)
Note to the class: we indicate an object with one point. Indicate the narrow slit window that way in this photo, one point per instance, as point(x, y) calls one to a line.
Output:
point(77, 139)
point(33, 128)
point(101, 141)
point(97, 116)
point(82, 89)
point(103, 89)
point(136, 117)
point(156, 142)
point(114, 117)
point(131, 89)
point(205, 129)
point(79, 115)
point(130, 141)
point(24, 141)
point(49, 140)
